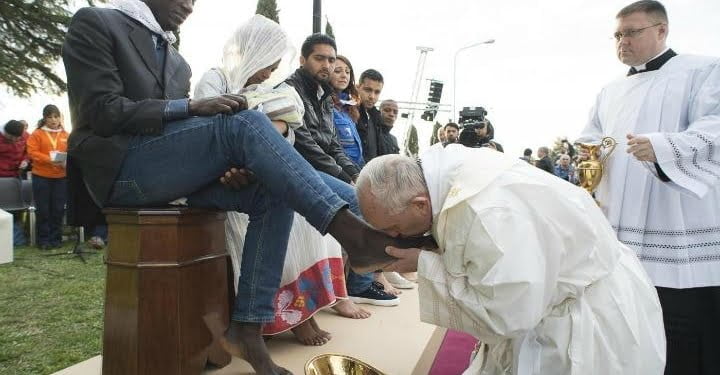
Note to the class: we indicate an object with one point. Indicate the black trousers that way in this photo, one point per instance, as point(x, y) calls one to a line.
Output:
point(50, 195)
point(692, 330)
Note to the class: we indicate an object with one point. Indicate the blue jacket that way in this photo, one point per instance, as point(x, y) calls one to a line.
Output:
point(348, 135)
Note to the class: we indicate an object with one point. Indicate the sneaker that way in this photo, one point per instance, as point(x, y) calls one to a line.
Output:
point(398, 281)
point(375, 296)
point(96, 242)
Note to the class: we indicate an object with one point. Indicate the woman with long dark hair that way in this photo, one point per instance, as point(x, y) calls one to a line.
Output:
point(345, 113)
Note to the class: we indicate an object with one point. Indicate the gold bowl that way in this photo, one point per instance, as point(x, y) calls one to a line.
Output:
point(338, 364)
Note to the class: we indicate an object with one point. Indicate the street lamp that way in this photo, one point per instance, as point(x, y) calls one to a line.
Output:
point(489, 41)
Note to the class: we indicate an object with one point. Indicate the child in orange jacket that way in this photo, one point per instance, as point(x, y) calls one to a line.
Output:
point(47, 148)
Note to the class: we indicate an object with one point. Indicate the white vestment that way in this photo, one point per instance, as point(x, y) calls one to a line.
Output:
point(674, 227)
point(529, 265)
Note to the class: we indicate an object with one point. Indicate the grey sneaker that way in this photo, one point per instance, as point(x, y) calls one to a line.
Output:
point(96, 242)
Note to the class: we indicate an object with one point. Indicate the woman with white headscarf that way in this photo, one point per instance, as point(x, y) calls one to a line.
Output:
point(313, 276)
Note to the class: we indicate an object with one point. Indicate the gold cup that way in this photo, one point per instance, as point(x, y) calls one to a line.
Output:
point(338, 364)
point(590, 171)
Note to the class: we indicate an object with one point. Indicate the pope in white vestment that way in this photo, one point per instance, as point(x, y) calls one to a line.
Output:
point(527, 263)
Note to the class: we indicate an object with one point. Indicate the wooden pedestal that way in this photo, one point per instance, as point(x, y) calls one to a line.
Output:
point(166, 269)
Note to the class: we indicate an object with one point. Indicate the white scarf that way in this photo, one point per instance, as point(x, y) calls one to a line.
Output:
point(45, 128)
point(140, 12)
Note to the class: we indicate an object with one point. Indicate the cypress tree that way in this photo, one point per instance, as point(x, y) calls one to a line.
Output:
point(268, 8)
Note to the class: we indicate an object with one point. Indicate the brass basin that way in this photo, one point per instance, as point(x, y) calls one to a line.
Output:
point(338, 364)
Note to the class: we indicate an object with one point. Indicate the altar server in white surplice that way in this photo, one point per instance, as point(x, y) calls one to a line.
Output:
point(661, 191)
point(527, 263)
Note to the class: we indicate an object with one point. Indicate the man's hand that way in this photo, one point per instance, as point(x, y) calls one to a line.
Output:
point(238, 178)
point(407, 259)
point(227, 104)
point(584, 155)
point(641, 148)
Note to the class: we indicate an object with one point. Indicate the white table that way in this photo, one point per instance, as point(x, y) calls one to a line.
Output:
point(6, 237)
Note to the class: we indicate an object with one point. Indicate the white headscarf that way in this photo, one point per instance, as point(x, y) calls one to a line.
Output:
point(140, 12)
point(255, 45)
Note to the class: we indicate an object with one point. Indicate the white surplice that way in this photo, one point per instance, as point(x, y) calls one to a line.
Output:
point(529, 265)
point(674, 227)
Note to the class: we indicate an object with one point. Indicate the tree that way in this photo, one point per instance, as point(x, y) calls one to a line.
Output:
point(411, 143)
point(268, 8)
point(31, 37)
point(329, 29)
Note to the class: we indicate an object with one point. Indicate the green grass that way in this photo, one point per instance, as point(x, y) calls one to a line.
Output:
point(50, 310)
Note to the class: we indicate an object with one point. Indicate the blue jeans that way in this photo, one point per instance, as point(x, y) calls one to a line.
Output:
point(188, 160)
point(359, 282)
point(99, 230)
point(50, 195)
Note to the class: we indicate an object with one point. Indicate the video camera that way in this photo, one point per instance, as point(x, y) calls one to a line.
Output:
point(472, 118)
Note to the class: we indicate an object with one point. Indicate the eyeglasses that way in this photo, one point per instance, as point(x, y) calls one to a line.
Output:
point(631, 33)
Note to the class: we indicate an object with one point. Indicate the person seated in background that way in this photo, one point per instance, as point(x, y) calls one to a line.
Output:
point(13, 156)
point(345, 111)
point(370, 124)
point(388, 112)
point(316, 141)
point(371, 287)
point(13, 160)
point(526, 263)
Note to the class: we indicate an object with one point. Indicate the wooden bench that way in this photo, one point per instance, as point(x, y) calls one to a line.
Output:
point(166, 269)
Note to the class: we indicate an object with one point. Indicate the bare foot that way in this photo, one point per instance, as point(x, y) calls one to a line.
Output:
point(317, 329)
point(349, 309)
point(305, 333)
point(244, 340)
point(389, 288)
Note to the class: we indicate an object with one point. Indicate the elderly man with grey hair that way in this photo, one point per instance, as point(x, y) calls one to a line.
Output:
point(526, 263)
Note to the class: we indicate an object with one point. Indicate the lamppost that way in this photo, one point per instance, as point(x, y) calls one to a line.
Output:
point(489, 41)
point(317, 18)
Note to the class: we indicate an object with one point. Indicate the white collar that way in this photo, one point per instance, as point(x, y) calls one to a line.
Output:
point(140, 12)
point(642, 66)
point(439, 165)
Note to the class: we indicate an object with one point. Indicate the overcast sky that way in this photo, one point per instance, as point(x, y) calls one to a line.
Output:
point(537, 81)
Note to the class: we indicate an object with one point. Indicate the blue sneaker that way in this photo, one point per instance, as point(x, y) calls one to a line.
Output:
point(375, 296)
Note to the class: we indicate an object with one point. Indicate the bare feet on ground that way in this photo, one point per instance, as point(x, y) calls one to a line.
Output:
point(309, 333)
point(349, 309)
point(324, 333)
point(389, 288)
point(244, 340)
